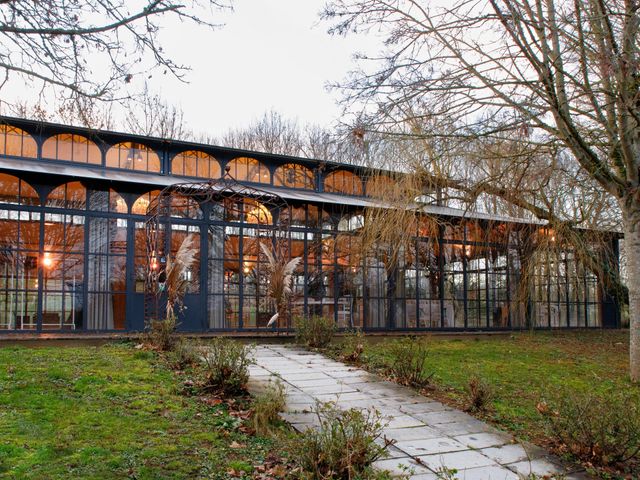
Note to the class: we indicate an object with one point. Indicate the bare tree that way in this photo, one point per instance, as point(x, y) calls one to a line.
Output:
point(561, 72)
point(91, 48)
point(152, 115)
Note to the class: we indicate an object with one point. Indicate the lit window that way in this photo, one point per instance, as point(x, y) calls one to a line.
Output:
point(71, 148)
point(17, 142)
point(294, 176)
point(133, 156)
point(249, 170)
point(195, 164)
point(342, 181)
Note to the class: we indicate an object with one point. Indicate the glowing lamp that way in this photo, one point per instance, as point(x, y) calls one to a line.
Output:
point(47, 262)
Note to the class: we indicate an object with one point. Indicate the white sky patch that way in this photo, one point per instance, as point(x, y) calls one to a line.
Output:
point(269, 54)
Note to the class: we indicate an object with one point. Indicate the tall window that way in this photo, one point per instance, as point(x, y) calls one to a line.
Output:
point(72, 148)
point(249, 170)
point(19, 243)
point(17, 142)
point(195, 164)
point(133, 156)
point(294, 176)
point(342, 181)
point(63, 259)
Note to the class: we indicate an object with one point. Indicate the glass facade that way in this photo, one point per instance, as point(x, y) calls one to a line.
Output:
point(73, 251)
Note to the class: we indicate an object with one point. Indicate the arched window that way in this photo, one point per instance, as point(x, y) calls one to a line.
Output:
point(70, 195)
point(107, 201)
point(17, 142)
point(294, 176)
point(380, 186)
point(342, 181)
point(195, 164)
point(133, 156)
point(16, 191)
point(255, 212)
point(72, 148)
point(249, 170)
point(142, 203)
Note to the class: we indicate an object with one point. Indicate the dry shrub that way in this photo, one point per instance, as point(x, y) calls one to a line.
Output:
point(267, 407)
point(314, 331)
point(602, 430)
point(226, 366)
point(160, 334)
point(345, 444)
point(408, 363)
point(185, 353)
point(352, 347)
point(479, 395)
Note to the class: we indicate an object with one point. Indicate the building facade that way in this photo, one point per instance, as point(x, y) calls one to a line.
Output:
point(74, 245)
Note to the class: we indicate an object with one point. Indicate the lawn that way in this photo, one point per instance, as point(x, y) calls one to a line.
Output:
point(111, 412)
point(522, 370)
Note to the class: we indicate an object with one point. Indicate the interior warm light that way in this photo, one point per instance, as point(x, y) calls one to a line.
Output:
point(154, 262)
point(47, 262)
point(246, 270)
point(467, 250)
point(121, 205)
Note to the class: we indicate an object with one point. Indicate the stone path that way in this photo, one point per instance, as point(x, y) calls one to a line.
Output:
point(428, 434)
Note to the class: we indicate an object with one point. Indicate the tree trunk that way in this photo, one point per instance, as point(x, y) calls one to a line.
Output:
point(631, 214)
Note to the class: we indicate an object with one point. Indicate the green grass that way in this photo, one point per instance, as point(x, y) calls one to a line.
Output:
point(110, 412)
point(523, 369)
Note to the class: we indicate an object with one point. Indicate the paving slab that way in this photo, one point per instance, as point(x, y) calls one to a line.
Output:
point(427, 434)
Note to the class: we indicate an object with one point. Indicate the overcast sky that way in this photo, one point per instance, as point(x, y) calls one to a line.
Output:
point(270, 54)
point(267, 55)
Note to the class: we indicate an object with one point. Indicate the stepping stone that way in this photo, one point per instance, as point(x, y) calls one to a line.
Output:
point(401, 466)
point(487, 473)
point(457, 460)
point(512, 453)
point(416, 448)
point(537, 466)
point(484, 440)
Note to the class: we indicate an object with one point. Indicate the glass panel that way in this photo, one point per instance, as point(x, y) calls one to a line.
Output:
point(63, 271)
point(19, 242)
point(142, 203)
point(17, 142)
point(294, 176)
point(342, 181)
point(107, 274)
point(17, 192)
point(133, 156)
point(195, 164)
point(249, 169)
point(71, 195)
point(72, 148)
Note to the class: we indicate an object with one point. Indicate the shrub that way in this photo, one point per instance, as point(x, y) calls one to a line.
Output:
point(408, 362)
point(352, 346)
point(479, 395)
point(161, 334)
point(226, 366)
point(185, 353)
point(603, 430)
point(266, 407)
point(314, 331)
point(345, 444)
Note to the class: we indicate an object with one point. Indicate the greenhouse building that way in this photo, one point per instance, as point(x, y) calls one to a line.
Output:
point(90, 222)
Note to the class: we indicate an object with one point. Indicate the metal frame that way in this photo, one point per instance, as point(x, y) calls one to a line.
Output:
point(227, 192)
